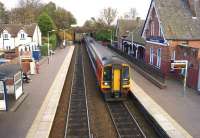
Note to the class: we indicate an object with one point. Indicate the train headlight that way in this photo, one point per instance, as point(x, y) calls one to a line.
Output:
point(126, 83)
point(105, 83)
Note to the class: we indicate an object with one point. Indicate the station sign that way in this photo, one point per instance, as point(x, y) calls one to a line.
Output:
point(18, 85)
point(2, 96)
point(179, 64)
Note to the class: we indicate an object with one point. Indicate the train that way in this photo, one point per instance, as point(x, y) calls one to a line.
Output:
point(111, 72)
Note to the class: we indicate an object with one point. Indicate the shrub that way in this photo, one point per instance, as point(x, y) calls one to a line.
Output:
point(103, 35)
point(53, 41)
point(44, 50)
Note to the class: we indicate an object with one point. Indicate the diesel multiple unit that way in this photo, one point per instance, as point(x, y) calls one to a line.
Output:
point(112, 73)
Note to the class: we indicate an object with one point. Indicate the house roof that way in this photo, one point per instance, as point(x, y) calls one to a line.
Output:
point(137, 38)
point(177, 20)
point(124, 25)
point(29, 29)
point(9, 70)
point(13, 29)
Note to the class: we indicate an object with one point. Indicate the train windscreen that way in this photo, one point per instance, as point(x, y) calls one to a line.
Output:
point(125, 73)
point(107, 74)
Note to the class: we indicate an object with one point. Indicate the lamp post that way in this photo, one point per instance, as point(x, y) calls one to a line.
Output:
point(131, 33)
point(110, 36)
point(64, 35)
point(48, 44)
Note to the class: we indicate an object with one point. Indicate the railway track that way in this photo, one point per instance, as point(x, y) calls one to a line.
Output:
point(124, 122)
point(77, 119)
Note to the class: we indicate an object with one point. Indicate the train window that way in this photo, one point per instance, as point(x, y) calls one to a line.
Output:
point(125, 73)
point(107, 74)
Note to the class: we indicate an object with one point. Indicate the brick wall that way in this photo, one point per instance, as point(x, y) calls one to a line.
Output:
point(190, 53)
point(165, 56)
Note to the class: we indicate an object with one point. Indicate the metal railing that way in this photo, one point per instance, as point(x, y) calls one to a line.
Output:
point(153, 71)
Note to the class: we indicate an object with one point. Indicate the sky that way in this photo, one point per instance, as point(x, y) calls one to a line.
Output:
point(85, 9)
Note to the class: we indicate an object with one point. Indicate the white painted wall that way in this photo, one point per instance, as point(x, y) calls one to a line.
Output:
point(22, 41)
point(1, 41)
point(13, 42)
point(29, 47)
point(8, 42)
point(37, 36)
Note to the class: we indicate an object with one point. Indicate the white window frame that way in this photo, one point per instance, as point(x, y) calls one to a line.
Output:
point(22, 36)
point(183, 72)
point(158, 58)
point(5, 36)
point(173, 56)
point(151, 56)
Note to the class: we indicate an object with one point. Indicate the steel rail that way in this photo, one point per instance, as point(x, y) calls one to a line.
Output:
point(125, 123)
point(77, 124)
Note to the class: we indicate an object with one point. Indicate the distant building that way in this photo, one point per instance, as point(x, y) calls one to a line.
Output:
point(13, 35)
point(172, 32)
point(124, 27)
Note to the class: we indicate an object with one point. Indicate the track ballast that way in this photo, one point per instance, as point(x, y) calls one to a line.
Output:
point(78, 120)
point(124, 122)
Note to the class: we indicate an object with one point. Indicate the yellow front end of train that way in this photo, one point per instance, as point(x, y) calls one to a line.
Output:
point(115, 82)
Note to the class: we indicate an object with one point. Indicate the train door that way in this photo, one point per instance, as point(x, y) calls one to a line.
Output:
point(116, 80)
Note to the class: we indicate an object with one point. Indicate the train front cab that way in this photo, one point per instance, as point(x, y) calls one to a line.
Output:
point(115, 82)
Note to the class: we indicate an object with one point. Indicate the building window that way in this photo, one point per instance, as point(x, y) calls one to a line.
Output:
point(21, 51)
point(184, 43)
point(22, 36)
point(151, 56)
point(5, 37)
point(160, 32)
point(152, 28)
point(173, 56)
point(183, 72)
point(159, 57)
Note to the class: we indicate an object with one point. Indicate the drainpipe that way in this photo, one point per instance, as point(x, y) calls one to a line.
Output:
point(136, 55)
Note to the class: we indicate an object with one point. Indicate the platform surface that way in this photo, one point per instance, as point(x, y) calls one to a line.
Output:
point(153, 99)
point(43, 122)
point(17, 123)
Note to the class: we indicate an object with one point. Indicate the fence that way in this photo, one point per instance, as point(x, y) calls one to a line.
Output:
point(153, 71)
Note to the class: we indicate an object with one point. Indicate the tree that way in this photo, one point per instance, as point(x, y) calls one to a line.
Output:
point(45, 23)
point(131, 14)
point(3, 14)
point(26, 12)
point(108, 15)
point(63, 18)
point(50, 9)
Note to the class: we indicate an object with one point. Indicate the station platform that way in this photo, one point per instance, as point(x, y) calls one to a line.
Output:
point(43, 122)
point(178, 115)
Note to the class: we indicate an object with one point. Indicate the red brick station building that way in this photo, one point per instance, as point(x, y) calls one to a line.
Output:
point(172, 32)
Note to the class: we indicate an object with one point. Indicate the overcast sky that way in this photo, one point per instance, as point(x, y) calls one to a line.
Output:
point(84, 9)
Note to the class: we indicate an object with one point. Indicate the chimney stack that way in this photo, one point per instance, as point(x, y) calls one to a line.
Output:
point(194, 6)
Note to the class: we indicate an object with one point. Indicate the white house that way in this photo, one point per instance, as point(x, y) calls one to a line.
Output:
point(13, 35)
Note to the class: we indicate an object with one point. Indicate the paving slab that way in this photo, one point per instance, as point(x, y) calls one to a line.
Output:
point(167, 123)
point(43, 122)
point(183, 109)
point(16, 124)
